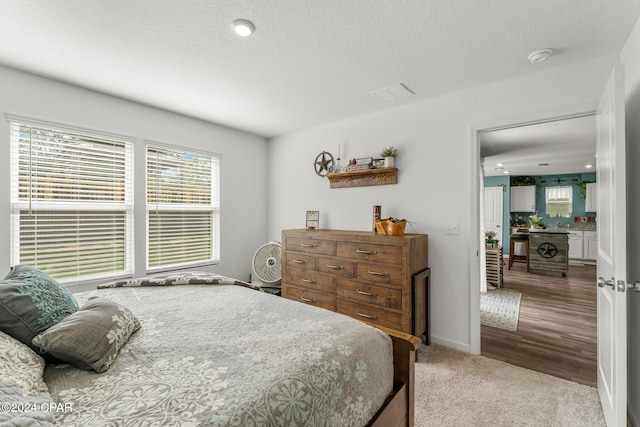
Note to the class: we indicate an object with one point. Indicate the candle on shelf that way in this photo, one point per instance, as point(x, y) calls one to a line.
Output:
point(338, 150)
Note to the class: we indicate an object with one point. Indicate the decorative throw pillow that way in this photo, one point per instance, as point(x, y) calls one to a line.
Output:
point(22, 367)
point(92, 337)
point(31, 302)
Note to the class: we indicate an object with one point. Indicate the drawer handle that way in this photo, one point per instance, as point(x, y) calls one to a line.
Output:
point(309, 300)
point(335, 267)
point(306, 245)
point(299, 261)
point(307, 280)
point(367, 316)
point(360, 251)
point(369, 294)
point(375, 273)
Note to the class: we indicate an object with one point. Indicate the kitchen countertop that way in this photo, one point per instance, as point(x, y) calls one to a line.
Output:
point(552, 230)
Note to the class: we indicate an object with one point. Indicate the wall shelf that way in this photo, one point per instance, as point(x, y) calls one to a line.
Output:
point(363, 178)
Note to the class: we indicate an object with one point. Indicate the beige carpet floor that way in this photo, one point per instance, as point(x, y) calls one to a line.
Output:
point(454, 388)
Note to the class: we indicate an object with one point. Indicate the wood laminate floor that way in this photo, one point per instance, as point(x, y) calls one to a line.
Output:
point(557, 328)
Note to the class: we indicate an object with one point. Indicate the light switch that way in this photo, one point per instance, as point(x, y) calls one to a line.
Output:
point(452, 228)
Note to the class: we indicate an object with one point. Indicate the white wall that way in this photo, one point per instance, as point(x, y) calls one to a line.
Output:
point(631, 59)
point(243, 164)
point(433, 141)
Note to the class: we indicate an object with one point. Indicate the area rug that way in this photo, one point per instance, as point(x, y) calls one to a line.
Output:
point(500, 308)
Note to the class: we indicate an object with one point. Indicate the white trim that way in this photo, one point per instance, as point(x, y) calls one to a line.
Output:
point(572, 111)
point(174, 147)
point(69, 128)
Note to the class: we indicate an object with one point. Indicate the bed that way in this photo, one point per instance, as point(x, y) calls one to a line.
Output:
point(202, 349)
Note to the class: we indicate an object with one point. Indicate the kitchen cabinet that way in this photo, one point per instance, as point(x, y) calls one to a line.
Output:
point(591, 198)
point(590, 245)
point(523, 198)
point(576, 244)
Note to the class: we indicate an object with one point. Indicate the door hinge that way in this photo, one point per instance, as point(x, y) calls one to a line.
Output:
point(635, 286)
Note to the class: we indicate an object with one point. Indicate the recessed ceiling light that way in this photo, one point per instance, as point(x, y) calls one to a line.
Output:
point(243, 28)
point(588, 166)
point(506, 172)
point(540, 55)
point(499, 164)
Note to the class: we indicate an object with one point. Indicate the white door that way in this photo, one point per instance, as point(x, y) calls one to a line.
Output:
point(493, 203)
point(612, 261)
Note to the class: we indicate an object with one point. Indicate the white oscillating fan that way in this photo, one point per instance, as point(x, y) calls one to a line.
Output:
point(266, 266)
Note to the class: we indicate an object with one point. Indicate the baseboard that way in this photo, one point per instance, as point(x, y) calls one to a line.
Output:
point(451, 344)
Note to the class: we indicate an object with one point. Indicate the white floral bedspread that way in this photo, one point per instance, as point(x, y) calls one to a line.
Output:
point(226, 355)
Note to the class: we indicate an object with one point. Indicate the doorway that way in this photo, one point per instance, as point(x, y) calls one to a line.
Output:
point(547, 340)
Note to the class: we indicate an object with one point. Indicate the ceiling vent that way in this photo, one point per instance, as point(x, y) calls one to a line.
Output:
point(393, 93)
point(543, 164)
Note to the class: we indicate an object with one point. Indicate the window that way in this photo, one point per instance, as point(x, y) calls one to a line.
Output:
point(559, 201)
point(183, 208)
point(71, 201)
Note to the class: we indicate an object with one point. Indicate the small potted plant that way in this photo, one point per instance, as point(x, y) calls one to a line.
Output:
point(490, 238)
point(388, 154)
point(535, 221)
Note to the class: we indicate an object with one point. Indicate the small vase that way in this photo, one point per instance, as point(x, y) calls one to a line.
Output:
point(388, 162)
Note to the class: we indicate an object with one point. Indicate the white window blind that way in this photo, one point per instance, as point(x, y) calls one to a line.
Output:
point(183, 208)
point(71, 201)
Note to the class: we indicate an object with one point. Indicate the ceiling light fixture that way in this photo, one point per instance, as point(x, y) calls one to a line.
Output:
point(242, 27)
point(540, 55)
point(588, 166)
point(506, 172)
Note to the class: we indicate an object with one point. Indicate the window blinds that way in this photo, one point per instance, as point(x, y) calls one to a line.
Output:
point(183, 207)
point(71, 201)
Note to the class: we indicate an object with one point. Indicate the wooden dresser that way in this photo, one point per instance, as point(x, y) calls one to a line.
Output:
point(374, 278)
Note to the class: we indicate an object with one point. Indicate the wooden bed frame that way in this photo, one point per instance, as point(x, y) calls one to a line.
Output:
point(397, 410)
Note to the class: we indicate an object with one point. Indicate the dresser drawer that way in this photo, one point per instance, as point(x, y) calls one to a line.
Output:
point(310, 246)
point(310, 280)
point(370, 252)
point(376, 316)
point(368, 293)
point(335, 266)
point(379, 273)
point(319, 299)
point(298, 260)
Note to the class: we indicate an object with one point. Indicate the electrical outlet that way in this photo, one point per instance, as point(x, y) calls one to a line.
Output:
point(452, 228)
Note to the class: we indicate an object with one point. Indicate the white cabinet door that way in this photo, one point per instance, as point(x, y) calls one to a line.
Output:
point(523, 199)
point(575, 245)
point(591, 199)
point(590, 245)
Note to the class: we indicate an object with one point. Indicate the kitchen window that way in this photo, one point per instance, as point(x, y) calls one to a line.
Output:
point(559, 201)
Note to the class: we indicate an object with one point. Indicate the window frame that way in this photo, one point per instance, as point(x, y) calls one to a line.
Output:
point(556, 201)
point(213, 207)
point(60, 207)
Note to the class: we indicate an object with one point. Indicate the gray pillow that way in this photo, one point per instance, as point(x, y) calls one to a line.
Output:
point(92, 337)
point(31, 302)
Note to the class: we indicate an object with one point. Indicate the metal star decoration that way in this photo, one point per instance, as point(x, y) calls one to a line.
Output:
point(323, 161)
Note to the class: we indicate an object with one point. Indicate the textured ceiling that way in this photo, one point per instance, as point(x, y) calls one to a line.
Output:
point(550, 148)
point(309, 62)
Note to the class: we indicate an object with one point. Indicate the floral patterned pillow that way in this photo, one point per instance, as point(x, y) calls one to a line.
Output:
point(92, 337)
point(20, 366)
point(31, 302)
